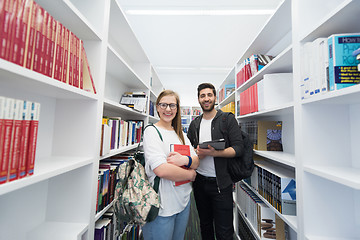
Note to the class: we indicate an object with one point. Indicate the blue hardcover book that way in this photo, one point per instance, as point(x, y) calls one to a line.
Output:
point(342, 64)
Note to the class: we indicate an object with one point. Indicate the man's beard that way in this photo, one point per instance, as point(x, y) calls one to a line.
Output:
point(211, 107)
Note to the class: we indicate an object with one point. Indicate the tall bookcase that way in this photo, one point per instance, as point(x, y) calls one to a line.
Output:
point(320, 133)
point(59, 200)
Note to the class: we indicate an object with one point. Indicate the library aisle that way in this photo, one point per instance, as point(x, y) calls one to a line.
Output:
point(77, 89)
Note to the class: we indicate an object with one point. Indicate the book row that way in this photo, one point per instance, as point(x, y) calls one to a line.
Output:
point(277, 185)
point(135, 100)
point(107, 179)
point(259, 215)
point(250, 66)
point(329, 64)
point(230, 107)
point(190, 111)
point(117, 133)
point(265, 135)
point(270, 92)
point(243, 229)
point(225, 91)
point(32, 38)
point(19, 121)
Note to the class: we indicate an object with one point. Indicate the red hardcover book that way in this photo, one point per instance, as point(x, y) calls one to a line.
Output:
point(34, 124)
point(71, 58)
point(52, 46)
point(2, 20)
point(76, 61)
point(25, 18)
point(15, 141)
point(39, 18)
point(8, 120)
point(12, 25)
point(47, 46)
point(24, 141)
point(65, 68)
point(183, 150)
point(6, 12)
point(16, 30)
point(43, 63)
point(30, 37)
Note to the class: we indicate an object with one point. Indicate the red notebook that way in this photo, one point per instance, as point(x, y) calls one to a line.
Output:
point(183, 150)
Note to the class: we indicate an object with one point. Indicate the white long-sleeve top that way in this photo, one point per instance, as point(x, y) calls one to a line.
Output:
point(172, 199)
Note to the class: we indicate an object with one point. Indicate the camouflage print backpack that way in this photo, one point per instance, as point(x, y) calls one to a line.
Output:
point(136, 201)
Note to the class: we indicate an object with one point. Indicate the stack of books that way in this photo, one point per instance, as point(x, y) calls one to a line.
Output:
point(19, 121)
point(32, 38)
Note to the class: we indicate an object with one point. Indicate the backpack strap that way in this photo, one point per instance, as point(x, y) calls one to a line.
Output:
point(223, 125)
point(157, 179)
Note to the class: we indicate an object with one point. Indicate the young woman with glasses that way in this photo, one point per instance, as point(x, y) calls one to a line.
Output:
point(170, 167)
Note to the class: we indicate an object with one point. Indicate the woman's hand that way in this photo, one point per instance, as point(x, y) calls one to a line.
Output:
point(177, 159)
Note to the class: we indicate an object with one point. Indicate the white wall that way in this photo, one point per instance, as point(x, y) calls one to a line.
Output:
point(186, 85)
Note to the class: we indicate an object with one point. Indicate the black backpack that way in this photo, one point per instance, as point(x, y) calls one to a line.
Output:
point(239, 167)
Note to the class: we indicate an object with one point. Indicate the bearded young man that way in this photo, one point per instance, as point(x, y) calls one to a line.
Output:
point(213, 185)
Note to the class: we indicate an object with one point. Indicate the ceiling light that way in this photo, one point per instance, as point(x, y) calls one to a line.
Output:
point(194, 68)
point(201, 12)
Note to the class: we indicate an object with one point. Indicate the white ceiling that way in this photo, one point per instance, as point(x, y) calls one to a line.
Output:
point(189, 49)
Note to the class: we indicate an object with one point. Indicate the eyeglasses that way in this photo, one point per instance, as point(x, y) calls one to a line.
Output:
point(165, 105)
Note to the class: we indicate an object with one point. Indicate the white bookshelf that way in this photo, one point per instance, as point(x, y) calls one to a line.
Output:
point(322, 131)
point(59, 200)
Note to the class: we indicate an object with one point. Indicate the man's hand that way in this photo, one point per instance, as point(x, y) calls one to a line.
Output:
point(203, 152)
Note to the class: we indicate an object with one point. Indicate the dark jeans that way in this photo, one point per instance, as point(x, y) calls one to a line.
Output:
point(214, 208)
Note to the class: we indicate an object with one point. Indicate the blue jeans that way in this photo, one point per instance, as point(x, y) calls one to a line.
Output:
point(167, 228)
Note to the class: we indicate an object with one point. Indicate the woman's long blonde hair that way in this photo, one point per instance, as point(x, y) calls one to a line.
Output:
point(176, 122)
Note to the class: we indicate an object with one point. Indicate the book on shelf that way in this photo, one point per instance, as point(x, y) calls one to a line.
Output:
point(19, 121)
point(230, 107)
point(14, 153)
point(269, 135)
point(33, 131)
point(135, 100)
point(342, 64)
point(249, 100)
point(7, 113)
point(34, 39)
point(277, 185)
point(183, 150)
point(274, 90)
point(24, 142)
point(102, 227)
point(229, 88)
